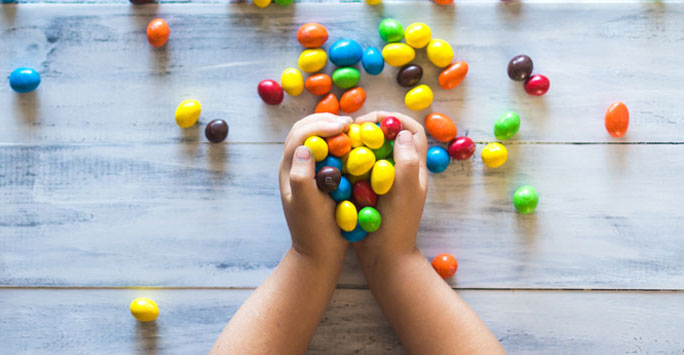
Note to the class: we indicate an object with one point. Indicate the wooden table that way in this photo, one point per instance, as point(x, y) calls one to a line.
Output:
point(103, 198)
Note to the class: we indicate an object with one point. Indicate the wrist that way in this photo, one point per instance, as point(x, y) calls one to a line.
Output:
point(330, 260)
point(378, 260)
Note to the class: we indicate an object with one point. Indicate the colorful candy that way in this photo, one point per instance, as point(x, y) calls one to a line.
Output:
point(270, 91)
point(216, 131)
point(346, 77)
point(437, 159)
point(409, 75)
point(363, 194)
point(23, 80)
point(312, 35)
point(418, 35)
point(461, 148)
point(318, 84)
point(525, 199)
point(356, 235)
point(330, 160)
point(343, 191)
point(398, 54)
point(346, 216)
point(439, 52)
point(352, 100)
point(384, 151)
point(537, 85)
point(258, 3)
point(187, 113)
point(520, 67)
point(339, 145)
point(440, 127)
point(158, 32)
point(371, 135)
point(391, 126)
point(292, 81)
point(365, 177)
point(419, 98)
point(144, 309)
point(328, 104)
point(284, 2)
point(328, 179)
point(443, 2)
point(390, 30)
point(345, 52)
point(382, 177)
point(453, 75)
point(445, 265)
point(312, 60)
point(369, 219)
point(354, 134)
point(318, 147)
point(617, 119)
point(373, 2)
point(494, 155)
point(360, 161)
point(372, 61)
point(507, 125)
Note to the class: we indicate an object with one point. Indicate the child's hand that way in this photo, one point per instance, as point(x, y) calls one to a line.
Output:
point(310, 213)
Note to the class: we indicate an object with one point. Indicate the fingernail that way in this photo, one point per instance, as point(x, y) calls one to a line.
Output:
point(405, 138)
point(302, 153)
point(344, 119)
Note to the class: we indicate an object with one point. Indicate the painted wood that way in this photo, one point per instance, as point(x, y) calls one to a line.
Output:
point(103, 83)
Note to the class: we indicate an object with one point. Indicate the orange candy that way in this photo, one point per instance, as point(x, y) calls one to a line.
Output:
point(444, 2)
point(339, 145)
point(319, 84)
point(328, 104)
point(158, 32)
point(352, 100)
point(453, 75)
point(440, 127)
point(312, 35)
point(617, 119)
point(445, 265)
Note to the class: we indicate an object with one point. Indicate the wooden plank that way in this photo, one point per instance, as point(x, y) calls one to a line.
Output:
point(102, 82)
point(97, 321)
point(194, 214)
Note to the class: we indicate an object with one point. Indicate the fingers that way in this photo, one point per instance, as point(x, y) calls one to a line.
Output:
point(302, 173)
point(407, 159)
point(409, 124)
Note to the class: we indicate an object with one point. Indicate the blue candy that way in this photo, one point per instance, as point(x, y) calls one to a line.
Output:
point(343, 192)
point(23, 80)
point(437, 159)
point(355, 235)
point(345, 52)
point(372, 61)
point(330, 160)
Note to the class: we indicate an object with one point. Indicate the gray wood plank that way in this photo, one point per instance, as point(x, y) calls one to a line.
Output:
point(103, 83)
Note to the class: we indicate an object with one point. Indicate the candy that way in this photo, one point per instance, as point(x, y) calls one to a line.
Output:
point(453, 75)
point(372, 61)
point(312, 35)
point(391, 126)
point(371, 135)
point(440, 127)
point(23, 80)
point(158, 32)
point(445, 265)
point(520, 68)
point(373, 2)
point(354, 236)
point(617, 119)
point(312, 60)
point(369, 219)
point(339, 145)
point(328, 104)
point(346, 216)
point(346, 77)
point(444, 2)
point(525, 199)
point(418, 98)
point(328, 179)
point(437, 159)
point(330, 160)
point(187, 113)
point(537, 85)
point(216, 131)
point(365, 177)
point(345, 52)
point(318, 84)
point(270, 91)
point(494, 155)
point(363, 194)
point(292, 81)
point(382, 177)
point(144, 309)
point(283, 2)
point(507, 125)
point(390, 30)
point(384, 151)
point(360, 161)
point(352, 100)
point(398, 54)
point(354, 134)
point(461, 148)
point(260, 3)
point(318, 147)
point(439, 52)
point(418, 35)
point(409, 75)
point(343, 191)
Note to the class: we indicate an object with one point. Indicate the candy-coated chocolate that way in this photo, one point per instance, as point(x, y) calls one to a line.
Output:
point(312, 35)
point(384, 151)
point(525, 199)
point(440, 127)
point(537, 85)
point(343, 191)
point(418, 35)
point(409, 75)
point(270, 91)
point(372, 61)
point(520, 67)
point(443, 2)
point(391, 126)
point(461, 148)
point(144, 309)
point(328, 104)
point(158, 32)
point(339, 145)
point(328, 179)
point(23, 80)
point(398, 54)
point(360, 161)
point(354, 134)
point(437, 159)
point(390, 30)
point(346, 215)
point(346, 77)
point(216, 131)
point(365, 177)
point(330, 160)
point(356, 235)
point(390, 160)
point(369, 219)
point(617, 119)
point(445, 265)
point(382, 177)
point(292, 81)
point(371, 135)
point(284, 2)
point(345, 52)
point(494, 155)
point(453, 75)
point(312, 60)
point(373, 2)
point(507, 125)
point(352, 100)
point(318, 147)
point(187, 113)
point(419, 98)
point(363, 194)
point(318, 84)
point(261, 3)
point(439, 52)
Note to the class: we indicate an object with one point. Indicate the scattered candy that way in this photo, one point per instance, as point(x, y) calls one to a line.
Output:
point(216, 131)
point(318, 147)
point(354, 236)
point(158, 32)
point(445, 265)
point(440, 127)
point(328, 179)
point(369, 219)
point(346, 216)
point(373, 2)
point(270, 91)
point(371, 135)
point(418, 35)
point(360, 161)
point(617, 119)
point(525, 199)
point(453, 75)
point(292, 81)
point(283, 2)
point(352, 100)
point(391, 126)
point(23, 80)
point(537, 85)
point(419, 98)
point(384, 151)
point(494, 155)
point(312, 35)
point(520, 68)
point(461, 148)
point(330, 160)
point(390, 30)
point(328, 104)
point(343, 191)
point(354, 134)
point(437, 159)
point(187, 113)
point(144, 309)
point(363, 194)
point(409, 75)
point(312, 60)
point(261, 3)
point(345, 52)
point(372, 61)
point(398, 54)
point(444, 2)
point(318, 84)
point(382, 177)
point(339, 145)
point(346, 77)
point(439, 52)
point(506, 125)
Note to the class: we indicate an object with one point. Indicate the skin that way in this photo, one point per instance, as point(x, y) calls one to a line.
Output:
point(428, 316)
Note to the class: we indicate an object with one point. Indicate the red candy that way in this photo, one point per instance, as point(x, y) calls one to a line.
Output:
point(461, 148)
point(537, 85)
point(391, 126)
point(363, 194)
point(445, 265)
point(270, 91)
point(328, 104)
point(617, 119)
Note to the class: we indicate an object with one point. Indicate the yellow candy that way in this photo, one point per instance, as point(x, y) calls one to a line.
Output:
point(419, 98)
point(382, 177)
point(346, 216)
point(355, 135)
point(188, 112)
point(312, 60)
point(440, 53)
point(494, 155)
point(292, 81)
point(418, 35)
point(360, 161)
point(398, 54)
point(261, 3)
point(353, 179)
point(373, 2)
point(144, 309)
point(372, 136)
point(318, 147)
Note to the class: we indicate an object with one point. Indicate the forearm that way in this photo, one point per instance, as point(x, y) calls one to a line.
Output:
point(282, 314)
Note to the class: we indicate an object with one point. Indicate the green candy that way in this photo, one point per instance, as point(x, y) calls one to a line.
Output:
point(283, 2)
point(525, 199)
point(346, 77)
point(390, 160)
point(384, 151)
point(369, 219)
point(391, 30)
point(507, 125)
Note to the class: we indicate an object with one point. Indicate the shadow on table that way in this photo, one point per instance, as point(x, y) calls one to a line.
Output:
point(28, 106)
point(147, 336)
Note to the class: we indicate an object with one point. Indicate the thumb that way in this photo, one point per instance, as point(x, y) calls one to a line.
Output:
point(303, 170)
point(406, 161)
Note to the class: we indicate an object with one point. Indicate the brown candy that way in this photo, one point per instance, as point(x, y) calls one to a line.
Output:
point(520, 68)
point(409, 75)
point(216, 131)
point(328, 178)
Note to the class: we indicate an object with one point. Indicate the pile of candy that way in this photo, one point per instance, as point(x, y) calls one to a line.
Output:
point(520, 69)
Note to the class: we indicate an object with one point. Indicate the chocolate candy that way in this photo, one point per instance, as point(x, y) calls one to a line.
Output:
point(345, 52)
point(328, 104)
point(346, 216)
point(360, 161)
point(391, 126)
point(330, 160)
point(369, 219)
point(343, 191)
point(461, 148)
point(382, 177)
point(352, 100)
point(312, 60)
point(292, 81)
point(398, 54)
point(371, 135)
point(23, 80)
point(520, 68)
point(270, 91)
point(440, 127)
point(158, 32)
point(188, 113)
point(257, 3)
point(372, 61)
point(384, 151)
point(419, 98)
point(537, 85)
point(339, 145)
point(319, 84)
point(216, 131)
point(525, 199)
point(453, 75)
point(494, 155)
point(507, 125)
point(418, 35)
point(318, 147)
point(437, 159)
point(390, 30)
point(354, 134)
point(363, 194)
point(355, 235)
point(283, 2)
point(440, 53)
point(445, 265)
point(312, 35)
point(617, 119)
point(346, 77)
point(144, 309)
point(409, 75)
point(328, 179)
